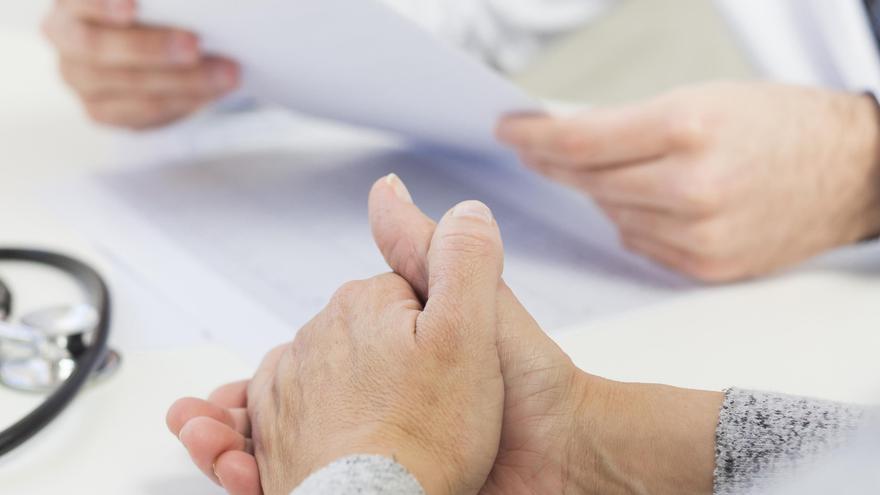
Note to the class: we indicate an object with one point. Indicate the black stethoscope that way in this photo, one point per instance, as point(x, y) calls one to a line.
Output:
point(56, 350)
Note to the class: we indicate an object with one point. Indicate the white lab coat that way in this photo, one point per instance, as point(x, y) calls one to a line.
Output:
point(504, 33)
point(825, 43)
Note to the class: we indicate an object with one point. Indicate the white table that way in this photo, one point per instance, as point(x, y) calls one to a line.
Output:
point(813, 334)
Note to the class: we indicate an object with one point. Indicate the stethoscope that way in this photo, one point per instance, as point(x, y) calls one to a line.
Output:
point(56, 350)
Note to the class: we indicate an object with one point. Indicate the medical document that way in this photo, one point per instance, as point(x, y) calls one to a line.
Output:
point(253, 242)
point(354, 61)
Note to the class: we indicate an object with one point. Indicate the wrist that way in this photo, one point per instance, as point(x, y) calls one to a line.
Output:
point(636, 439)
point(865, 211)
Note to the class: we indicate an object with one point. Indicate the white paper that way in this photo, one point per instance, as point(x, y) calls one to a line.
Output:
point(354, 61)
point(254, 243)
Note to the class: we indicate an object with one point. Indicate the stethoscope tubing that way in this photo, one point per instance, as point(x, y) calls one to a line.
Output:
point(5, 300)
point(99, 297)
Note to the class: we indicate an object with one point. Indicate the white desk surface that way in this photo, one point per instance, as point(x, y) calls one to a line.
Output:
point(814, 334)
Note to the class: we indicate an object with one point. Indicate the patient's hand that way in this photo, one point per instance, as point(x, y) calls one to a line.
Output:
point(132, 75)
point(564, 431)
point(377, 373)
point(544, 393)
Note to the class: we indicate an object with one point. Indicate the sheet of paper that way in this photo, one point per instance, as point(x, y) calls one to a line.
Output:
point(281, 228)
point(251, 240)
point(354, 61)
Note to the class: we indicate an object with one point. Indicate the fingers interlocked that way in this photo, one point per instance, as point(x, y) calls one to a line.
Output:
point(361, 371)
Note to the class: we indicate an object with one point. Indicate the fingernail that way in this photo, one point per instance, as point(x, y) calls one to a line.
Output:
point(473, 209)
point(399, 188)
point(223, 77)
point(183, 48)
point(219, 479)
point(119, 10)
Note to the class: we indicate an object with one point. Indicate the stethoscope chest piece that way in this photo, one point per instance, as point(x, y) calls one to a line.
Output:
point(55, 351)
point(47, 347)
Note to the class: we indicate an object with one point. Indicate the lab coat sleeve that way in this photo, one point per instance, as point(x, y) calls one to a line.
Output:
point(361, 475)
point(504, 33)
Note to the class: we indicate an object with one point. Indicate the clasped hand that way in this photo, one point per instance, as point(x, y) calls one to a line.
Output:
point(437, 366)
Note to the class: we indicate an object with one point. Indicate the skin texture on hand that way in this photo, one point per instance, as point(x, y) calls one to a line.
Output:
point(721, 181)
point(563, 431)
point(378, 372)
point(542, 386)
point(131, 75)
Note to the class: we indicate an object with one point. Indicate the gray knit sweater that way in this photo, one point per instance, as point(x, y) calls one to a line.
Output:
point(761, 438)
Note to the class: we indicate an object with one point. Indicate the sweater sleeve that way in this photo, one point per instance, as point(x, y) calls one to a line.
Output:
point(361, 475)
point(504, 33)
point(762, 437)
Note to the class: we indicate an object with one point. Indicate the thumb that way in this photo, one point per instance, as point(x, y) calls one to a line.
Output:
point(401, 231)
point(465, 261)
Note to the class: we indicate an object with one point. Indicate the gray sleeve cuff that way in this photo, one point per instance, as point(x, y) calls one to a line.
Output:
point(361, 475)
point(761, 436)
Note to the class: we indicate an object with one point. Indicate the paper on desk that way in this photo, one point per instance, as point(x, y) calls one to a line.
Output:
point(354, 61)
point(282, 228)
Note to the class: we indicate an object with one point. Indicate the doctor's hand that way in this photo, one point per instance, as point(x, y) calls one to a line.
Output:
point(132, 75)
point(376, 372)
point(721, 181)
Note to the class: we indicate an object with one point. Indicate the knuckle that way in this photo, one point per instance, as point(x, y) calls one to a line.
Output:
point(622, 218)
point(157, 111)
point(82, 78)
point(709, 237)
point(135, 125)
point(134, 80)
point(286, 365)
point(47, 26)
point(686, 129)
point(713, 270)
point(701, 191)
point(88, 39)
point(145, 43)
point(96, 111)
point(349, 292)
point(147, 111)
point(390, 285)
point(628, 241)
point(302, 342)
point(572, 142)
point(70, 74)
point(154, 45)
